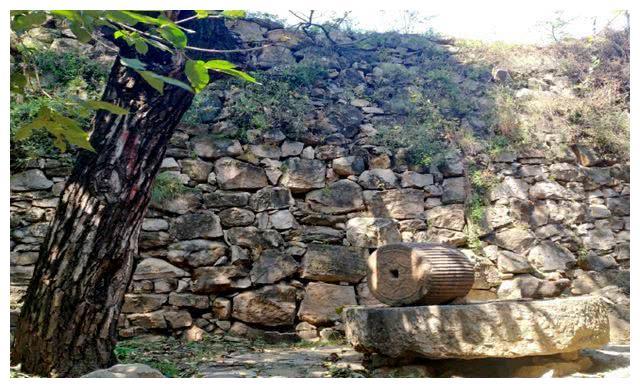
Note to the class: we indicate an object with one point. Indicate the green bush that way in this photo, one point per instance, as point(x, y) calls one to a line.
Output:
point(273, 104)
point(424, 133)
point(204, 109)
point(62, 76)
point(62, 68)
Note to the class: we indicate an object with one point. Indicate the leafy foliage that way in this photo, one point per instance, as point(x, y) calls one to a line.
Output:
point(279, 102)
point(69, 84)
point(159, 31)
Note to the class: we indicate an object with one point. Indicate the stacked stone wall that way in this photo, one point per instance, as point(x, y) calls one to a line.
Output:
point(270, 235)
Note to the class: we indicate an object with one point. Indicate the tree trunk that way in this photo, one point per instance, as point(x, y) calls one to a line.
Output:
point(68, 322)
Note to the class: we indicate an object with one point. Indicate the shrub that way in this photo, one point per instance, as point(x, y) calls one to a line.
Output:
point(204, 109)
point(273, 104)
point(63, 76)
point(62, 68)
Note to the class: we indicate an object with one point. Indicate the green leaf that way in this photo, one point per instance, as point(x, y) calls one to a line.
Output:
point(173, 34)
point(25, 21)
point(78, 137)
point(200, 14)
point(80, 32)
point(234, 14)
point(141, 46)
point(60, 127)
point(80, 24)
point(157, 81)
point(197, 73)
point(104, 105)
point(153, 80)
point(135, 17)
point(175, 82)
point(121, 17)
point(18, 82)
point(238, 74)
point(59, 142)
point(26, 130)
point(217, 64)
point(133, 63)
point(71, 15)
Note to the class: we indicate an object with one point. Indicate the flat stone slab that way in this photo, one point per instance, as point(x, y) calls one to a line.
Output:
point(507, 329)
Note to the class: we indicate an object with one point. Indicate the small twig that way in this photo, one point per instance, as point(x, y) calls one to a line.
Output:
point(195, 16)
point(104, 44)
point(216, 51)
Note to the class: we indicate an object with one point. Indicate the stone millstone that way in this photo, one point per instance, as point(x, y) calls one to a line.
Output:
point(506, 329)
point(418, 274)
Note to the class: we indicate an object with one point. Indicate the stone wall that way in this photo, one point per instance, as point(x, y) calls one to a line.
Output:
point(269, 236)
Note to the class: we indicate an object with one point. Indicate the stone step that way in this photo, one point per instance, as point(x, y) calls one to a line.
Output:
point(506, 329)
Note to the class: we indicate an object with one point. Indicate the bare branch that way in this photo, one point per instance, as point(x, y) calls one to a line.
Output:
point(215, 51)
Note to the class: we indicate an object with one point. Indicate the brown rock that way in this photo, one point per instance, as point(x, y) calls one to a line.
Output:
point(339, 197)
point(332, 263)
point(234, 174)
point(322, 302)
point(398, 204)
point(269, 306)
point(142, 303)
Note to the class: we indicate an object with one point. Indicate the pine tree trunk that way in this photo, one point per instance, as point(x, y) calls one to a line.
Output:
point(68, 322)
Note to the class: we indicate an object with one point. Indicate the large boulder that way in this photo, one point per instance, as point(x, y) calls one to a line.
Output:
point(509, 262)
point(142, 303)
point(348, 165)
point(370, 232)
point(268, 306)
point(189, 300)
point(253, 238)
point(150, 320)
point(528, 286)
point(453, 190)
point(196, 253)
point(272, 266)
point(322, 302)
point(399, 204)
point(271, 198)
point(505, 329)
point(152, 268)
point(234, 216)
point(179, 204)
point(220, 199)
point(417, 180)
point(126, 371)
point(233, 174)
point(30, 180)
point(196, 169)
point(202, 224)
point(217, 279)
point(510, 188)
point(343, 196)
point(551, 190)
point(515, 239)
point(209, 147)
point(333, 263)
point(378, 178)
point(448, 217)
point(551, 256)
point(302, 175)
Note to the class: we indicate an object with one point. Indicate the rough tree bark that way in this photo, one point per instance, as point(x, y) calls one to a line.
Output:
point(67, 326)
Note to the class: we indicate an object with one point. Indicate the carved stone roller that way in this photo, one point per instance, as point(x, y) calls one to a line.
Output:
point(418, 274)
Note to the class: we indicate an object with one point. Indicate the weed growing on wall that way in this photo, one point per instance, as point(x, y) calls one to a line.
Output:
point(166, 187)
